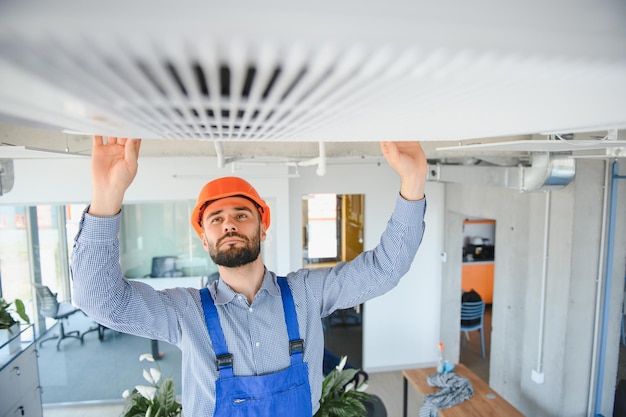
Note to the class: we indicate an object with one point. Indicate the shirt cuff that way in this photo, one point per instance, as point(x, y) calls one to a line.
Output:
point(99, 229)
point(406, 210)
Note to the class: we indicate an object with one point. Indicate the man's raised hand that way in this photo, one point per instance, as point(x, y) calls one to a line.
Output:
point(113, 169)
point(409, 161)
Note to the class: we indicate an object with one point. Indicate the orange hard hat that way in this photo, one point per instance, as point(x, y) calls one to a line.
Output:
point(227, 187)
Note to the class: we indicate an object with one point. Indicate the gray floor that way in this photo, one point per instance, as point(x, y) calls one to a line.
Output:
point(346, 339)
point(88, 380)
point(471, 355)
point(98, 370)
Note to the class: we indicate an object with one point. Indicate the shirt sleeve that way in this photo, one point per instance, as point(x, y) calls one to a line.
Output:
point(376, 271)
point(102, 292)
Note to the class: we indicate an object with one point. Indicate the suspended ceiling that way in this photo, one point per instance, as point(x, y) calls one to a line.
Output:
point(277, 78)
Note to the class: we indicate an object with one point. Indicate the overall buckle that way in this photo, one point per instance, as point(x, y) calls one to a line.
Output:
point(296, 346)
point(223, 361)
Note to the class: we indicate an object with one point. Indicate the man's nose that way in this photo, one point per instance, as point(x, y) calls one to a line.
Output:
point(229, 224)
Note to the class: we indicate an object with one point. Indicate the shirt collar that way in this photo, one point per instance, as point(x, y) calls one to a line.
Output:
point(223, 294)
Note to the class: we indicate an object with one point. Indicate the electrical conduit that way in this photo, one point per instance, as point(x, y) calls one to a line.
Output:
point(608, 271)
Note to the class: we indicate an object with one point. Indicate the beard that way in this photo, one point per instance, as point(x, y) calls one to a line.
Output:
point(235, 256)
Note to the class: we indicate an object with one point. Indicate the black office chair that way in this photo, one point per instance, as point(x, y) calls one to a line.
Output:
point(49, 306)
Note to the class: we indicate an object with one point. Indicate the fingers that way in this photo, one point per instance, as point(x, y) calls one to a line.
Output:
point(394, 149)
point(132, 148)
point(100, 141)
point(389, 149)
point(114, 140)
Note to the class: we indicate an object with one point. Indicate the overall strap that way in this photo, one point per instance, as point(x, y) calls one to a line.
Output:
point(296, 345)
point(224, 359)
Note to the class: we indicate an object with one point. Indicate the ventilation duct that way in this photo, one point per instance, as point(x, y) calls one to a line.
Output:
point(253, 71)
point(7, 176)
point(546, 172)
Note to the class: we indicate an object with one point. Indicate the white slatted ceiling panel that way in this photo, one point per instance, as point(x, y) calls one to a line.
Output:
point(274, 88)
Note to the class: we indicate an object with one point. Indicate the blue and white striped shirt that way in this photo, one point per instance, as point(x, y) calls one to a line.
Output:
point(256, 334)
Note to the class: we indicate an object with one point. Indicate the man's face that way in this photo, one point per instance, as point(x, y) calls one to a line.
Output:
point(233, 231)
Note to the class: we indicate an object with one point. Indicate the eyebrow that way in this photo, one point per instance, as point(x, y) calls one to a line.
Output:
point(237, 208)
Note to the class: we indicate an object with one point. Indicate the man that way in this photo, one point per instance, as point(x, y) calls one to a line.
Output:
point(252, 343)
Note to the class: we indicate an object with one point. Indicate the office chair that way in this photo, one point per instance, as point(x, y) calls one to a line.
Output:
point(472, 315)
point(49, 306)
point(97, 327)
point(164, 266)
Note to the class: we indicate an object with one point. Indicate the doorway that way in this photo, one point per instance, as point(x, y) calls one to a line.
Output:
point(478, 275)
point(332, 232)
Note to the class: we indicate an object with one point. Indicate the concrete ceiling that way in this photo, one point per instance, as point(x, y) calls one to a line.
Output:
point(13, 137)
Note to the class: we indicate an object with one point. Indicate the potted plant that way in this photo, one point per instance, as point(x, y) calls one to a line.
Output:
point(152, 400)
point(9, 326)
point(343, 393)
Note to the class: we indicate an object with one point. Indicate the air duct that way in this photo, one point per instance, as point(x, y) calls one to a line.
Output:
point(7, 176)
point(546, 172)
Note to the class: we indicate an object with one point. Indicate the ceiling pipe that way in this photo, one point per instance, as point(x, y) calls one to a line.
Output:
point(221, 159)
point(219, 153)
point(546, 172)
point(320, 161)
point(321, 166)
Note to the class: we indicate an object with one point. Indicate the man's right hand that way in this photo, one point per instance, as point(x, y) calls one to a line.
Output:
point(409, 161)
point(113, 168)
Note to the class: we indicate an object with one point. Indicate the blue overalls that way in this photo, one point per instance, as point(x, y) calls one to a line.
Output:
point(282, 393)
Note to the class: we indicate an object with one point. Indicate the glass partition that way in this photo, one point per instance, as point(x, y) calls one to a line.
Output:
point(14, 264)
point(160, 230)
point(35, 246)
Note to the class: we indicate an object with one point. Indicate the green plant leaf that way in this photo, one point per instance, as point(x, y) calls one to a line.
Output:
point(344, 377)
point(6, 320)
point(20, 309)
point(135, 405)
point(327, 384)
point(167, 397)
point(336, 401)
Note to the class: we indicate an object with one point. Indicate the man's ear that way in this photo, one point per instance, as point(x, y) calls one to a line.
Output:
point(205, 242)
point(263, 232)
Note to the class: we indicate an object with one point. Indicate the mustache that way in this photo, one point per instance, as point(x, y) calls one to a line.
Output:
point(231, 234)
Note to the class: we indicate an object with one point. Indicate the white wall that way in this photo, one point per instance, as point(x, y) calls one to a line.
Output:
point(400, 328)
point(64, 181)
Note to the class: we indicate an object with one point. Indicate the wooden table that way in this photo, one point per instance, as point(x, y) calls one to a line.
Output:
point(485, 403)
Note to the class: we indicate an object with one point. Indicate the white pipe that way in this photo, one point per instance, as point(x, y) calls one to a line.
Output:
point(321, 165)
point(599, 290)
point(219, 153)
point(544, 281)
